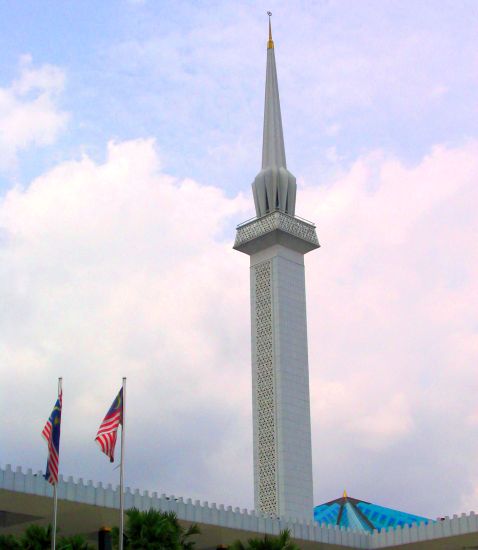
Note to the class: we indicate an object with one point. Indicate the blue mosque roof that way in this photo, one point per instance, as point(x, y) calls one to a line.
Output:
point(365, 516)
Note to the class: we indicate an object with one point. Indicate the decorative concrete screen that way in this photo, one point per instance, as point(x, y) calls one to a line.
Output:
point(277, 220)
point(266, 425)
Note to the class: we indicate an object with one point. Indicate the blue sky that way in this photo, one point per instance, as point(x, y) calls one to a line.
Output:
point(393, 75)
point(130, 132)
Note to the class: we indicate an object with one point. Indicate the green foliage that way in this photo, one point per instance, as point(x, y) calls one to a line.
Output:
point(155, 530)
point(282, 542)
point(36, 538)
point(9, 542)
point(75, 542)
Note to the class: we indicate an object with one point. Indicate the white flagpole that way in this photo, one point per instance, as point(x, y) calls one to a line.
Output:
point(121, 529)
point(55, 494)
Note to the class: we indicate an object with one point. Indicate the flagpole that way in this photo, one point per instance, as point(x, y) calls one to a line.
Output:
point(55, 493)
point(121, 529)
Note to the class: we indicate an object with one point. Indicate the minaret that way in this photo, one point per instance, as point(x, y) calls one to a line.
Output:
point(276, 242)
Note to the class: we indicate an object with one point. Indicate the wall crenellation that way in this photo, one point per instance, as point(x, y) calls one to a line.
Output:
point(202, 512)
point(226, 516)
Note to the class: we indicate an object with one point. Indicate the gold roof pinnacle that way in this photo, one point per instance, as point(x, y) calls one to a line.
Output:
point(270, 42)
point(345, 494)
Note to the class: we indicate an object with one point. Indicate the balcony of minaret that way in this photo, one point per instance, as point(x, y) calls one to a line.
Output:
point(276, 228)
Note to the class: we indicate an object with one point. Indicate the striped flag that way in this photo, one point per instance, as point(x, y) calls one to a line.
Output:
point(51, 434)
point(107, 432)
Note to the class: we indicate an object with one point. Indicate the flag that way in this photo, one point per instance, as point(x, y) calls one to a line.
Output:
point(107, 432)
point(51, 434)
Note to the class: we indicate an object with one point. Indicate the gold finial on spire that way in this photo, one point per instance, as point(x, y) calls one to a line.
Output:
point(270, 42)
point(345, 494)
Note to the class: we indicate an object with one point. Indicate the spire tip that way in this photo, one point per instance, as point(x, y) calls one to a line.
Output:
point(270, 42)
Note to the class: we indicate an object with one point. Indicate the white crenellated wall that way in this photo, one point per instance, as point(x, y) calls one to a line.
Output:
point(107, 496)
point(447, 527)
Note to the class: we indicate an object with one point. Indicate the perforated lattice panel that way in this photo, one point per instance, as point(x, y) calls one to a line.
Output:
point(276, 220)
point(266, 417)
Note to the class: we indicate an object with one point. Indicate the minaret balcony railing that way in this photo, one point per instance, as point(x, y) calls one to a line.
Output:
point(273, 222)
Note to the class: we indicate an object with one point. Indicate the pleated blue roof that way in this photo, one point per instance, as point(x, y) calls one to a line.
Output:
point(361, 515)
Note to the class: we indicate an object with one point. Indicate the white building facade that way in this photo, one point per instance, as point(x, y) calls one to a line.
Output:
point(276, 242)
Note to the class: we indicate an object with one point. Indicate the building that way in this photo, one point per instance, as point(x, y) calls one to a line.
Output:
point(276, 242)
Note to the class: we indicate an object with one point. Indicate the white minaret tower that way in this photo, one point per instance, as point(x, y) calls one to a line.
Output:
point(276, 242)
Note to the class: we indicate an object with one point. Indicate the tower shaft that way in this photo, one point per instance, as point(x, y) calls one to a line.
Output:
point(276, 244)
point(280, 381)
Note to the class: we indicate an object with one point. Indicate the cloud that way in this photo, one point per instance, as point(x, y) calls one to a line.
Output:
point(29, 114)
point(393, 328)
point(113, 270)
point(116, 268)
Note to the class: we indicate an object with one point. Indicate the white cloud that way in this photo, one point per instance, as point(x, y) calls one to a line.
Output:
point(118, 269)
point(29, 114)
point(393, 327)
point(388, 423)
point(369, 423)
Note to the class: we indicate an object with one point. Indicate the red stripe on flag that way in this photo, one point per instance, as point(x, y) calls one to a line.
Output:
point(107, 433)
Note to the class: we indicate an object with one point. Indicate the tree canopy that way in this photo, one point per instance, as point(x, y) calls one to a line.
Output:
point(282, 542)
point(156, 530)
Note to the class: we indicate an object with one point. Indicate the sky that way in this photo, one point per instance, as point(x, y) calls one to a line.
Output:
point(130, 132)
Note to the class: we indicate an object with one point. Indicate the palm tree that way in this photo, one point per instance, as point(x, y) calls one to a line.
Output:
point(282, 542)
point(156, 530)
point(36, 537)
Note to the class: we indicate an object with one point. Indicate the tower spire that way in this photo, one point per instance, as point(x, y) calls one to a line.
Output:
point(270, 43)
point(274, 188)
point(273, 151)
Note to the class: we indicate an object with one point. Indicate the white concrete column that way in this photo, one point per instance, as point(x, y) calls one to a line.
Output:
point(281, 402)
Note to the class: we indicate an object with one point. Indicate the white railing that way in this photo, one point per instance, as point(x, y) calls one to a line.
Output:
point(255, 218)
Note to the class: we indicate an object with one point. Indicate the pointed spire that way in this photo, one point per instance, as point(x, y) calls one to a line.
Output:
point(274, 188)
point(273, 152)
point(345, 494)
point(270, 43)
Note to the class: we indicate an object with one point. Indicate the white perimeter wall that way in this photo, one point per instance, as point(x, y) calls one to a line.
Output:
point(107, 496)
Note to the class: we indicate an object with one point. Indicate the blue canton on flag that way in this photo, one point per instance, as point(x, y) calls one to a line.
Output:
point(51, 434)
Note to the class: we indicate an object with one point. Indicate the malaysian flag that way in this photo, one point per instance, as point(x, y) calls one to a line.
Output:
point(51, 434)
point(107, 432)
